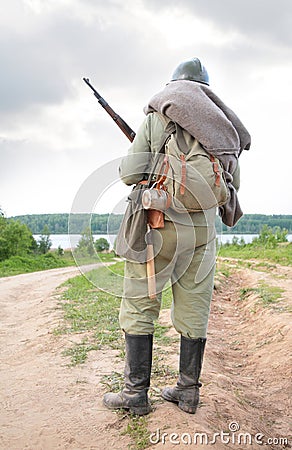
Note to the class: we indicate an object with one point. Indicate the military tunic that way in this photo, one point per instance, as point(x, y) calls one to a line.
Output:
point(185, 253)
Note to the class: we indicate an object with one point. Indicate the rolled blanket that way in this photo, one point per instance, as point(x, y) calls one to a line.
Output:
point(198, 110)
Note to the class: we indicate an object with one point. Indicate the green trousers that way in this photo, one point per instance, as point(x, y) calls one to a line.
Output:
point(185, 256)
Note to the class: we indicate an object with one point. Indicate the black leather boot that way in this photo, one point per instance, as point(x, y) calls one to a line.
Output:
point(134, 396)
point(186, 392)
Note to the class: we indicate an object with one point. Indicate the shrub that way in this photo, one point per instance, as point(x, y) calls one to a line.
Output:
point(101, 245)
point(15, 239)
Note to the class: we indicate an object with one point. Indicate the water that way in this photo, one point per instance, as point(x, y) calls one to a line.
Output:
point(66, 242)
point(224, 238)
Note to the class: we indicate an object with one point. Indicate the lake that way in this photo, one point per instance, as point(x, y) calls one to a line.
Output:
point(66, 242)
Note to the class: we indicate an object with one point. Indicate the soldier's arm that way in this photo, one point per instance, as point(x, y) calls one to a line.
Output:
point(135, 165)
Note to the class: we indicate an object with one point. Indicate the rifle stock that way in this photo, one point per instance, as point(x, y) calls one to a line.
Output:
point(116, 118)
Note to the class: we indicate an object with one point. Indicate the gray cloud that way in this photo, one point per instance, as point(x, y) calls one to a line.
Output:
point(40, 65)
point(268, 20)
point(60, 46)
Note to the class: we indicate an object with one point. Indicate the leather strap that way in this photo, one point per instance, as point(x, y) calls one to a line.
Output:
point(216, 170)
point(183, 174)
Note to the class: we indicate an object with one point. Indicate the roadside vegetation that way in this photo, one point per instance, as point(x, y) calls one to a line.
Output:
point(90, 308)
point(271, 245)
point(21, 253)
point(93, 313)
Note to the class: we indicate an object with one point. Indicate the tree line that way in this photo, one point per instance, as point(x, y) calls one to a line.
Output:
point(109, 223)
point(58, 223)
point(253, 223)
point(16, 239)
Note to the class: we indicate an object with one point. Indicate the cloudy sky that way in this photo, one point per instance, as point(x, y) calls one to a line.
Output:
point(53, 132)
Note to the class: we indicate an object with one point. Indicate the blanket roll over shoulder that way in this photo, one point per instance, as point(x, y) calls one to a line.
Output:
point(197, 109)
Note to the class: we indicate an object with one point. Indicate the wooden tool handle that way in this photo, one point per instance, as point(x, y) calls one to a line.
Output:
point(151, 272)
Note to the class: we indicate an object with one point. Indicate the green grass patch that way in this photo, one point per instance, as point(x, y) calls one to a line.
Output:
point(51, 260)
point(245, 292)
point(223, 269)
point(90, 311)
point(166, 299)
point(96, 258)
point(114, 382)
point(87, 308)
point(160, 370)
point(108, 278)
point(78, 353)
point(268, 295)
point(159, 333)
point(137, 429)
point(94, 312)
point(26, 264)
point(281, 254)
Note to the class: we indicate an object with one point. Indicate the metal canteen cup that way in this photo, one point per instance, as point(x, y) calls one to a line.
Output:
point(155, 199)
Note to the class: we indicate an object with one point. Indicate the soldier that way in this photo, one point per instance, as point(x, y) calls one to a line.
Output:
point(184, 248)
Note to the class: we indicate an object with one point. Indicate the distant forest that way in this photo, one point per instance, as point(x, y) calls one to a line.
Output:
point(109, 223)
point(59, 223)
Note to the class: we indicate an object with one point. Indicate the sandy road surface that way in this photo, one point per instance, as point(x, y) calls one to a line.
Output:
point(46, 405)
point(43, 403)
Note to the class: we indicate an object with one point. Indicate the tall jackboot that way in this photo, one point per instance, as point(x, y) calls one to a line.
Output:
point(186, 391)
point(134, 396)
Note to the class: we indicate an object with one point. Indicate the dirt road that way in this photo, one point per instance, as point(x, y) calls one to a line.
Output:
point(46, 405)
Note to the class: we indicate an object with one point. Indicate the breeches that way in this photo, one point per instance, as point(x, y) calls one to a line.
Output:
point(185, 256)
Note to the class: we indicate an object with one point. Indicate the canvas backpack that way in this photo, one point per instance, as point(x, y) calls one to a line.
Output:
point(193, 178)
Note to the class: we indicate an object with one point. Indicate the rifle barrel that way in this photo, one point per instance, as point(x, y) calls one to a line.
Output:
point(117, 119)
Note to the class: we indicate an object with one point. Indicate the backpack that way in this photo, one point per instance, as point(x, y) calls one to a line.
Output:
point(193, 178)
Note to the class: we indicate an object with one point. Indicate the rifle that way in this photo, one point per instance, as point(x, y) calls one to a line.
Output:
point(119, 121)
point(131, 135)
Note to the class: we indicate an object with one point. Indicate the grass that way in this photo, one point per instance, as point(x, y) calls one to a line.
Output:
point(25, 264)
point(223, 269)
point(108, 278)
point(79, 352)
point(268, 295)
point(52, 260)
point(160, 370)
point(160, 331)
point(166, 300)
point(113, 382)
point(281, 254)
point(137, 429)
point(94, 313)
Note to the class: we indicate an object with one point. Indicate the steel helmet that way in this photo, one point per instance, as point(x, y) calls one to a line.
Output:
point(192, 70)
